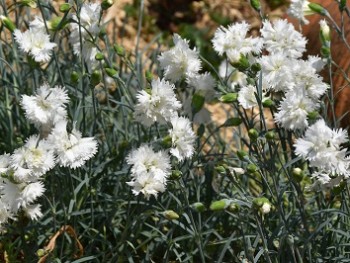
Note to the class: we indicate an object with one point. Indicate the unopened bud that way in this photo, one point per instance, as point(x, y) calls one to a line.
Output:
point(107, 4)
point(170, 215)
point(242, 155)
point(242, 64)
point(317, 8)
point(167, 141)
point(270, 135)
point(99, 56)
point(95, 78)
point(65, 7)
point(56, 23)
point(7, 23)
point(220, 169)
point(268, 103)
point(74, 77)
point(325, 32)
point(175, 175)
point(297, 174)
point(253, 134)
point(30, 3)
point(229, 97)
point(111, 72)
point(220, 205)
point(119, 50)
point(252, 168)
point(255, 4)
point(198, 206)
point(149, 76)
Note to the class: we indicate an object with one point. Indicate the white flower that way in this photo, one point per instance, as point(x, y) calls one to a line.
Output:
point(180, 60)
point(4, 163)
point(149, 171)
point(293, 111)
point(321, 146)
point(299, 9)
point(246, 97)
point(183, 138)
point(72, 150)
point(86, 26)
point(21, 195)
point(316, 62)
point(266, 208)
point(33, 211)
point(203, 83)
point(281, 37)
point(32, 160)
point(276, 71)
point(234, 41)
point(47, 106)
point(5, 214)
point(158, 105)
point(36, 42)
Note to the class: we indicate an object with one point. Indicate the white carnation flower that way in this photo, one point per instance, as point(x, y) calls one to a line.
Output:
point(281, 37)
point(234, 41)
point(36, 42)
point(47, 106)
point(233, 76)
point(293, 111)
point(149, 171)
point(33, 211)
point(321, 146)
point(4, 163)
point(32, 160)
point(71, 149)
point(299, 9)
point(246, 97)
point(158, 105)
point(203, 84)
point(183, 138)
point(180, 60)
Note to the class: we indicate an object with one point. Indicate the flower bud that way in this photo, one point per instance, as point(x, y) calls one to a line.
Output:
point(270, 135)
point(262, 204)
point(313, 115)
point(318, 9)
point(119, 49)
point(170, 215)
point(175, 175)
point(233, 208)
point(41, 252)
point(342, 5)
point(95, 78)
point(255, 4)
point(229, 97)
point(252, 168)
point(106, 4)
point(65, 7)
point(338, 188)
point(111, 72)
point(7, 23)
point(234, 121)
point(220, 205)
point(99, 56)
point(256, 67)
point(74, 77)
point(242, 64)
point(167, 141)
point(198, 207)
point(253, 134)
point(268, 103)
point(56, 23)
point(242, 155)
point(220, 169)
point(30, 3)
point(325, 32)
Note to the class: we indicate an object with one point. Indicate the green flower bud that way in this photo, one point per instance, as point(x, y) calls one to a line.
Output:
point(7, 23)
point(95, 78)
point(65, 7)
point(167, 142)
point(242, 155)
point(338, 188)
point(175, 175)
point(253, 134)
point(255, 4)
point(197, 102)
point(30, 3)
point(41, 252)
point(262, 204)
point(56, 23)
point(234, 208)
point(170, 215)
point(220, 169)
point(252, 168)
point(111, 72)
point(119, 50)
point(220, 205)
point(325, 51)
point(342, 5)
point(256, 67)
point(74, 77)
point(106, 4)
point(325, 32)
point(268, 103)
point(234, 121)
point(99, 56)
point(229, 97)
point(198, 206)
point(242, 64)
point(313, 115)
point(270, 135)
point(317, 9)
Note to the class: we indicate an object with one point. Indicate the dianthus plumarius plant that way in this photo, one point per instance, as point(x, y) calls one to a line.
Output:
point(110, 154)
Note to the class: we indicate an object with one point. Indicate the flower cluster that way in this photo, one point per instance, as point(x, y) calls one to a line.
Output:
point(85, 28)
point(322, 147)
point(35, 41)
point(22, 171)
